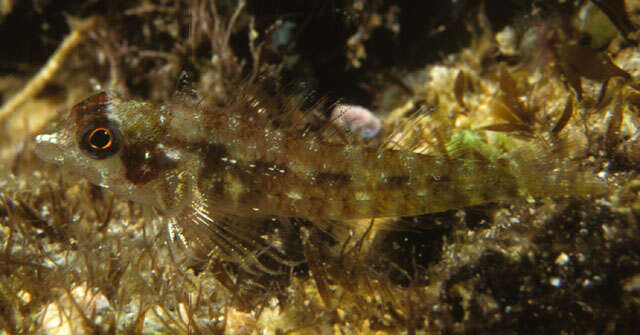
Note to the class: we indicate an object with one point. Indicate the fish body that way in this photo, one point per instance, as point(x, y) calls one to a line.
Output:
point(196, 164)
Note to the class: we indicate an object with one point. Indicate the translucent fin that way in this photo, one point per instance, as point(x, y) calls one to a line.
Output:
point(541, 168)
point(242, 240)
point(543, 173)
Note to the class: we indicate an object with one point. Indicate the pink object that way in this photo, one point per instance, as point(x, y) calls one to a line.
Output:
point(356, 119)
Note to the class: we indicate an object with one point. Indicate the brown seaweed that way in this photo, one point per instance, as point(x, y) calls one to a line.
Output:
point(564, 118)
point(617, 13)
point(577, 61)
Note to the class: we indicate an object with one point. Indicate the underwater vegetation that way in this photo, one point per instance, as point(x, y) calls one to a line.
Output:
point(351, 167)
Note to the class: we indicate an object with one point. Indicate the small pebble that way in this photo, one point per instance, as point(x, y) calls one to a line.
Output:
point(356, 119)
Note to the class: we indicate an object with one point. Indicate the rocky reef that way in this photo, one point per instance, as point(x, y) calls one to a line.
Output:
point(489, 78)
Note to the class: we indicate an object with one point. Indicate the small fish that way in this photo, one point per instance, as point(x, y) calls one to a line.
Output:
point(210, 169)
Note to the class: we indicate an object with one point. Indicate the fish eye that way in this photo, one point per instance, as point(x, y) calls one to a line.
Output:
point(100, 140)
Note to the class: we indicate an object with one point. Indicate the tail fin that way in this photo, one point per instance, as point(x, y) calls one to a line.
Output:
point(548, 174)
point(540, 169)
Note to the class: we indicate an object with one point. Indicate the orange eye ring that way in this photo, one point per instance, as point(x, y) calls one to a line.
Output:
point(100, 138)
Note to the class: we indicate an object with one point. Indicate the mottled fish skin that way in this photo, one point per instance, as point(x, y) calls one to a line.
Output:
point(193, 162)
point(137, 164)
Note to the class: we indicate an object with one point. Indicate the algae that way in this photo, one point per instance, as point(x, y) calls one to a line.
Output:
point(76, 257)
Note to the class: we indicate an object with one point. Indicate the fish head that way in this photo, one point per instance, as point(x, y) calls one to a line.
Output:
point(115, 144)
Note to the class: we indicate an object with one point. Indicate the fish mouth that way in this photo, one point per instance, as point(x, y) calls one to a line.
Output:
point(58, 147)
point(50, 147)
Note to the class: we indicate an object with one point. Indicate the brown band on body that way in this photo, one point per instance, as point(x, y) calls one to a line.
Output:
point(144, 163)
